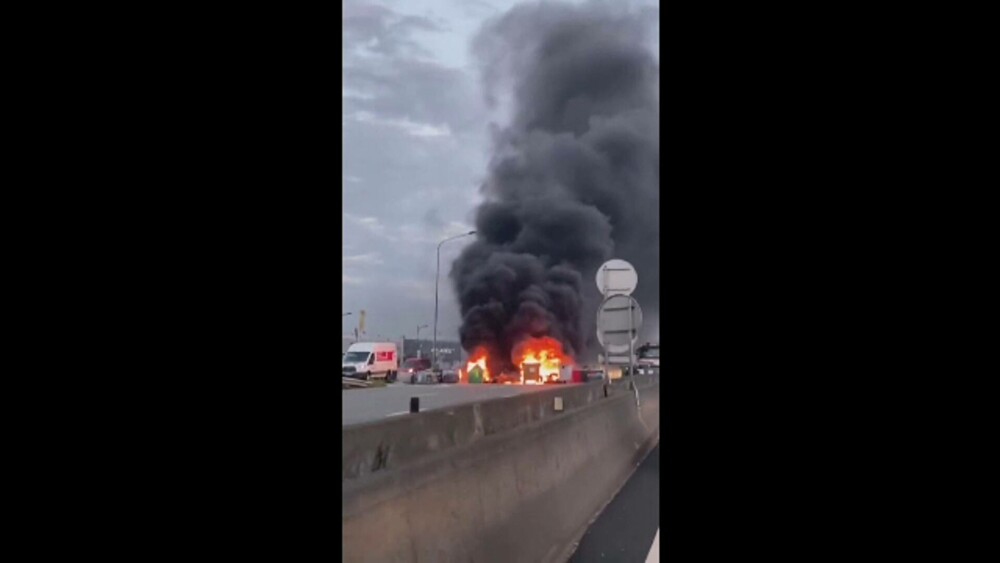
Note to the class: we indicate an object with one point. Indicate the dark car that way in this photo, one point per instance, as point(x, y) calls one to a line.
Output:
point(413, 366)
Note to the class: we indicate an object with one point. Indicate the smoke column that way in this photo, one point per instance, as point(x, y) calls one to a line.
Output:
point(573, 180)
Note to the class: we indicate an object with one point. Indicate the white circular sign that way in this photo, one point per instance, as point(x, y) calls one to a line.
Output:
point(618, 316)
point(616, 277)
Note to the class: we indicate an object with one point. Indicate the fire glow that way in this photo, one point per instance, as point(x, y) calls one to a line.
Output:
point(544, 356)
point(479, 360)
point(546, 352)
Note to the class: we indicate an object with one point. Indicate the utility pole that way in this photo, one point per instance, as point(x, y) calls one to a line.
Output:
point(420, 345)
point(437, 277)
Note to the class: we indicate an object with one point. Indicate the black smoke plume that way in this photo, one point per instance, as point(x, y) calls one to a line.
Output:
point(574, 178)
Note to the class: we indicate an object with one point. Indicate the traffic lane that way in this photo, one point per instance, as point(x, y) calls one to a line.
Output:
point(626, 528)
point(365, 405)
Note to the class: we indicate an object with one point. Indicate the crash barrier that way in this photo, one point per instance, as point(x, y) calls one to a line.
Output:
point(352, 382)
point(513, 479)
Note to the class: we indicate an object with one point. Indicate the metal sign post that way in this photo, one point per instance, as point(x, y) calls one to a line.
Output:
point(634, 335)
point(607, 376)
point(632, 338)
point(619, 317)
point(618, 320)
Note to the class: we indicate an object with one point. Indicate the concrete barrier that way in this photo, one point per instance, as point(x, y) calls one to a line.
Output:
point(504, 480)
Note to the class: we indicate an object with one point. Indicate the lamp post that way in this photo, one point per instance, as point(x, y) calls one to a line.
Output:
point(437, 277)
point(419, 346)
point(347, 314)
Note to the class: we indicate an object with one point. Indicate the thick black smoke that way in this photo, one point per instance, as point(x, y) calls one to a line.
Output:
point(574, 179)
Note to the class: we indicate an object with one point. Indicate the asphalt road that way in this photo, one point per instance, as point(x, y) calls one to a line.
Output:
point(364, 405)
point(626, 529)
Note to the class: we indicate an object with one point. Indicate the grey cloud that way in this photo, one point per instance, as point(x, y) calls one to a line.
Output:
point(476, 8)
point(405, 176)
point(361, 259)
point(391, 80)
point(417, 185)
point(382, 30)
point(432, 218)
point(418, 91)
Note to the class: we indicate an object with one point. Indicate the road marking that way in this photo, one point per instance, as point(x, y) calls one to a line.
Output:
point(426, 395)
point(654, 551)
point(397, 413)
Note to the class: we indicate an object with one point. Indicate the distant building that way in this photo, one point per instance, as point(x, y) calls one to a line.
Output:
point(448, 352)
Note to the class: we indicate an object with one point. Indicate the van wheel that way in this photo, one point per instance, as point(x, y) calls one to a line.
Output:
point(368, 376)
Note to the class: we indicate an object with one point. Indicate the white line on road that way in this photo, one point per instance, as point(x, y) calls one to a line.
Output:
point(397, 413)
point(654, 551)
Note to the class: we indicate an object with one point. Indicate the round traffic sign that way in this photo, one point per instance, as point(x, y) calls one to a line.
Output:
point(616, 277)
point(618, 323)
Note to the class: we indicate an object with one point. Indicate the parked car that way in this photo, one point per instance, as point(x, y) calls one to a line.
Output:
point(649, 358)
point(425, 376)
point(412, 366)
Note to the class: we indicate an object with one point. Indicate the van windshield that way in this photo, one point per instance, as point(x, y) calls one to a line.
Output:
point(356, 357)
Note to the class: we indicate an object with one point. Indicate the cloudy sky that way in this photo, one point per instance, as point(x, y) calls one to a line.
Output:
point(415, 137)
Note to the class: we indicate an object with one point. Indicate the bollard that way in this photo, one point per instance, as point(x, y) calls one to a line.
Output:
point(414, 404)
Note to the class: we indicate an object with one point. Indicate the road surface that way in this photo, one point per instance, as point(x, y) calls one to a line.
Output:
point(627, 530)
point(365, 405)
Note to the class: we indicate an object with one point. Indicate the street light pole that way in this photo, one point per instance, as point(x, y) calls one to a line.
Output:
point(420, 347)
point(437, 277)
point(345, 315)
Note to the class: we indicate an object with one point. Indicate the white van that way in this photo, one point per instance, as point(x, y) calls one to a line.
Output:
point(366, 360)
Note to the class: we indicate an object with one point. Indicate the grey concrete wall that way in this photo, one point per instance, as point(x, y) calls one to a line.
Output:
point(505, 480)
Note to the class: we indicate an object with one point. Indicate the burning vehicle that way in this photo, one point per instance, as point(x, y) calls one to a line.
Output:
point(535, 361)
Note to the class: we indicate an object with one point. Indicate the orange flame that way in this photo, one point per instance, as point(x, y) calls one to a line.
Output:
point(480, 360)
point(547, 353)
